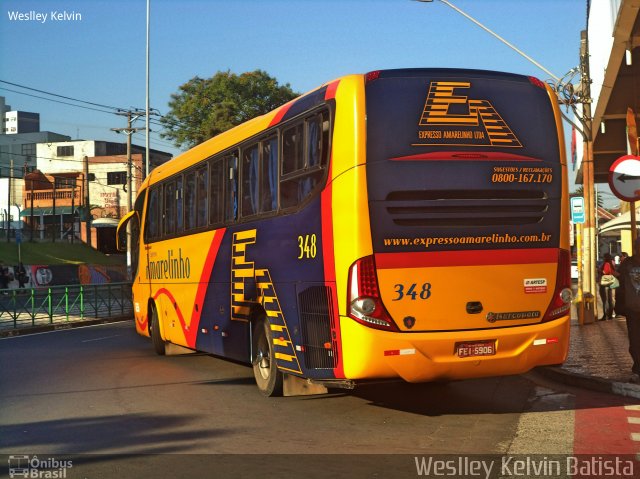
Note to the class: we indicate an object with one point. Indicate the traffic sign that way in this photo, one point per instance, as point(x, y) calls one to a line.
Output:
point(624, 178)
point(577, 209)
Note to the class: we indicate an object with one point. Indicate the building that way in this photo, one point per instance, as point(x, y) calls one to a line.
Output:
point(19, 151)
point(69, 155)
point(4, 108)
point(613, 35)
point(21, 122)
point(18, 157)
point(79, 180)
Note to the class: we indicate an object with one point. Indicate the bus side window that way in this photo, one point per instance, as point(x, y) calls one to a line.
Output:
point(249, 188)
point(292, 161)
point(269, 175)
point(190, 200)
point(231, 191)
point(169, 208)
point(216, 206)
point(304, 159)
point(179, 205)
point(152, 223)
point(202, 196)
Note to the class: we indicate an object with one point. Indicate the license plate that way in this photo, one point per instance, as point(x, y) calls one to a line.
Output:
point(476, 348)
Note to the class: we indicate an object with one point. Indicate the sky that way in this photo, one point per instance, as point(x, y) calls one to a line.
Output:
point(97, 53)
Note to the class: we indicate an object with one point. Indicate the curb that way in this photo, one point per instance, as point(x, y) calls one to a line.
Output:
point(590, 382)
point(61, 326)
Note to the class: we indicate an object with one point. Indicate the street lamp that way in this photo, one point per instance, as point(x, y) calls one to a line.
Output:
point(570, 98)
point(147, 109)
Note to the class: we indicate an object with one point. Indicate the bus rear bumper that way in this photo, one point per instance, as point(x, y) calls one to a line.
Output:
point(421, 357)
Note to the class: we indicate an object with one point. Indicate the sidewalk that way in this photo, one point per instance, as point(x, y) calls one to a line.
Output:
point(598, 358)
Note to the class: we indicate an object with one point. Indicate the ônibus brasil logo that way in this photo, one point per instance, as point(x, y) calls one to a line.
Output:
point(34, 467)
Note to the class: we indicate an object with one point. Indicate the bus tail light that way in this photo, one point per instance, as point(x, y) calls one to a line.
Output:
point(365, 304)
point(561, 299)
point(535, 81)
point(371, 76)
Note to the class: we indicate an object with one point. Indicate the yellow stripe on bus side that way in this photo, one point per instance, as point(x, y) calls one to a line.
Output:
point(285, 357)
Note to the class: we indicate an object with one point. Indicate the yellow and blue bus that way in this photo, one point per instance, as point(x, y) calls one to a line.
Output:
point(398, 224)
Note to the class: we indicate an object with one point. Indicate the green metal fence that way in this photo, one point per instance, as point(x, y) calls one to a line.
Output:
point(21, 308)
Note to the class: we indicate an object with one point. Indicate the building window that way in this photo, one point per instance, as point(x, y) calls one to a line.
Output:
point(29, 152)
point(117, 178)
point(65, 150)
point(65, 182)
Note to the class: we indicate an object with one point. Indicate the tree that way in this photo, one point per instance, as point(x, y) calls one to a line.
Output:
point(206, 107)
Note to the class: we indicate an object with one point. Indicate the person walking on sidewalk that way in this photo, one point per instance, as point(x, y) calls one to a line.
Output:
point(607, 271)
point(628, 304)
point(20, 273)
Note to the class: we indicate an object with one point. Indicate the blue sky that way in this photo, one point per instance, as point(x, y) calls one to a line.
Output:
point(101, 57)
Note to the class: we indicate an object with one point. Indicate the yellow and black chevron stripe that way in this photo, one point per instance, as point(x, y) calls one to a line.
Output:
point(243, 271)
point(284, 350)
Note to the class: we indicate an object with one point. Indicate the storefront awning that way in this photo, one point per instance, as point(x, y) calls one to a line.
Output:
point(47, 211)
point(105, 223)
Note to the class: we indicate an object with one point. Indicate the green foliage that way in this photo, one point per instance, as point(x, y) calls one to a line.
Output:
point(204, 108)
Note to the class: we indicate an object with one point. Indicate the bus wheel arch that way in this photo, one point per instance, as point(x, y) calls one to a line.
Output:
point(269, 378)
point(159, 344)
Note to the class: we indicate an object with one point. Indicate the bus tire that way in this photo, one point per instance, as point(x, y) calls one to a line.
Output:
point(268, 376)
point(156, 338)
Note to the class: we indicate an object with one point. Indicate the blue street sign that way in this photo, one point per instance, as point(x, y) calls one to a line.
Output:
point(577, 209)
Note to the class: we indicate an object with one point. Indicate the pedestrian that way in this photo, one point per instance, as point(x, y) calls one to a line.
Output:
point(4, 277)
point(628, 304)
point(607, 273)
point(21, 275)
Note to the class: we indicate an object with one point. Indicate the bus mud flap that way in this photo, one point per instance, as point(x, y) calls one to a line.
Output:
point(297, 386)
point(176, 350)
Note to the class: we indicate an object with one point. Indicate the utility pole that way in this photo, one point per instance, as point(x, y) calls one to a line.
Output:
point(589, 282)
point(9, 179)
point(129, 130)
point(87, 202)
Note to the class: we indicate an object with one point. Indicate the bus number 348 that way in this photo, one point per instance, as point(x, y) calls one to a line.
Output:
point(307, 246)
point(413, 291)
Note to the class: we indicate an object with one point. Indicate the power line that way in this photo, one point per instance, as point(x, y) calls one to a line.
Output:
point(108, 107)
point(167, 124)
point(59, 96)
point(54, 101)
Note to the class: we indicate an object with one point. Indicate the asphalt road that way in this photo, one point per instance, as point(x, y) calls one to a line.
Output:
point(101, 398)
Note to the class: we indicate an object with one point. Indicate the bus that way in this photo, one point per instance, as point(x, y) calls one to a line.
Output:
point(406, 224)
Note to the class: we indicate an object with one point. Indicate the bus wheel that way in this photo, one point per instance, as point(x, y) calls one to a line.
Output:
point(156, 338)
point(265, 370)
